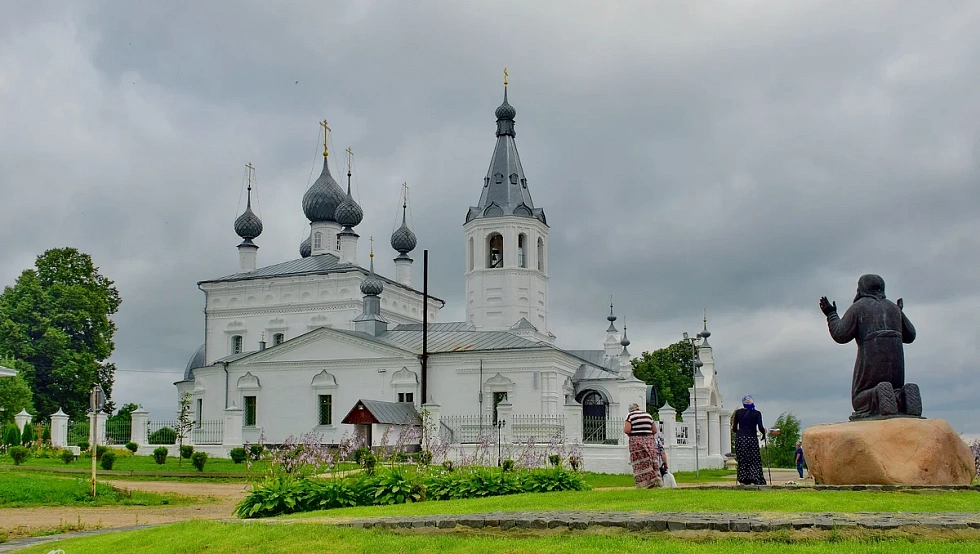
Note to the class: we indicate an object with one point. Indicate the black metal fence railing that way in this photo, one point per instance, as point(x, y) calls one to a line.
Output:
point(601, 430)
point(208, 432)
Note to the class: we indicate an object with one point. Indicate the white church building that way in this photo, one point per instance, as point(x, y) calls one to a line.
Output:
point(323, 344)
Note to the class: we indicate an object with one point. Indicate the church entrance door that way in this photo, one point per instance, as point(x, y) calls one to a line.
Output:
point(593, 418)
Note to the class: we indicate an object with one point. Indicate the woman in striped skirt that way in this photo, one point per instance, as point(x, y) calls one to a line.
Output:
point(644, 454)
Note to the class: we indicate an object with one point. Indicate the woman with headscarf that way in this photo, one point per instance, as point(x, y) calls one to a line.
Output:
point(745, 422)
point(644, 454)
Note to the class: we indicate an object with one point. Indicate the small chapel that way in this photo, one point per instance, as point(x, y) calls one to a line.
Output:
point(324, 344)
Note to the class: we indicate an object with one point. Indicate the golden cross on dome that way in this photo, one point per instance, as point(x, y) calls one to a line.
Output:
point(326, 131)
point(405, 194)
point(251, 170)
point(505, 76)
point(372, 247)
point(350, 156)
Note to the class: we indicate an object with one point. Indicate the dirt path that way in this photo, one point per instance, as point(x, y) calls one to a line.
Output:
point(215, 501)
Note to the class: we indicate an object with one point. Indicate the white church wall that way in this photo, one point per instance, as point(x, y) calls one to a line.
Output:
point(293, 306)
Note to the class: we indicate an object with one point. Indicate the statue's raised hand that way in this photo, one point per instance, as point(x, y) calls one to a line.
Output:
point(827, 307)
point(900, 305)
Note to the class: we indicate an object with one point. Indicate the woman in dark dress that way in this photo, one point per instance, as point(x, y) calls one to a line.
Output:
point(745, 422)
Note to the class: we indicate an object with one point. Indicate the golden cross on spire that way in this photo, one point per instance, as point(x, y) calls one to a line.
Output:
point(251, 170)
point(505, 76)
point(350, 156)
point(404, 194)
point(326, 131)
point(705, 316)
point(372, 247)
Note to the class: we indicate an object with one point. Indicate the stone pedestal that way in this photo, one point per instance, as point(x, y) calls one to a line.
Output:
point(59, 429)
point(898, 451)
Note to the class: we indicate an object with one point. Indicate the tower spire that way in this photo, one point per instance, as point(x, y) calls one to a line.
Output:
point(250, 171)
point(705, 333)
point(611, 317)
point(248, 226)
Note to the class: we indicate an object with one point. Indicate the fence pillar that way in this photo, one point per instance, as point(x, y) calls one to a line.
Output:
point(100, 437)
point(59, 429)
point(726, 431)
point(714, 434)
point(139, 421)
point(668, 416)
point(232, 428)
point(573, 422)
point(22, 419)
point(431, 424)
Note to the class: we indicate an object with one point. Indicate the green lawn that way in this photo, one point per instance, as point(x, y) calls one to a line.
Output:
point(21, 490)
point(146, 464)
point(218, 538)
point(683, 500)
point(605, 480)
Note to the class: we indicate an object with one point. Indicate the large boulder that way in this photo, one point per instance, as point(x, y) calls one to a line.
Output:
point(897, 451)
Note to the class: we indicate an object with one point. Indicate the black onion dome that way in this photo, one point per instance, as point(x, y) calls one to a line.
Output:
point(305, 248)
point(373, 285)
point(403, 240)
point(349, 213)
point(625, 342)
point(248, 225)
point(505, 110)
point(321, 200)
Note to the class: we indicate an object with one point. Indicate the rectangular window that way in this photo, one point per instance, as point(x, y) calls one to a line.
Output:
point(200, 411)
point(406, 397)
point(250, 409)
point(237, 344)
point(326, 409)
point(278, 338)
point(498, 397)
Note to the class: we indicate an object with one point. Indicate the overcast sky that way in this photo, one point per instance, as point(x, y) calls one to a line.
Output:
point(741, 157)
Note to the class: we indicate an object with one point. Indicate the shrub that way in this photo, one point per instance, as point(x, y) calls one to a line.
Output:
point(448, 465)
point(255, 450)
point(163, 435)
point(199, 459)
point(369, 462)
point(186, 451)
point(553, 480)
point(46, 434)
point(575, 462)
point(101, 451)
point(554, 460)
point(507, 465)
point(67, 456)
point(359, 454)
point(108, 459)
point(395, 488)
point(132, 447)
point(11, 436)
point(29, 436)
point(160, 454)
point(424, 457)
point(83, 445)
point(237, 455)
point(19, 454)
point(282, 494)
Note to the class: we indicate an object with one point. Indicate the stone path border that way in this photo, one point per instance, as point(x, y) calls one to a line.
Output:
point(672, 521)
point(18, 544)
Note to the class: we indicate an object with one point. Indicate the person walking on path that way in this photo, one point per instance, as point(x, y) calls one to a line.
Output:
point(800, 462)
point(644, 454)
point(744, 425)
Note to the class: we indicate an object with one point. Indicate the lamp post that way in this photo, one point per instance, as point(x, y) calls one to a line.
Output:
point(696, 364)
point(96, 401)
point(499, 425)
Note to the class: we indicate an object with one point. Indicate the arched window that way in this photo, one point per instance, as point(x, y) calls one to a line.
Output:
point(540, 254)
point(470, 254)
point(338, 241)
point(495, 250)
point(521, 247)
point(278, 338)
point(237, 344)
point(317, 240)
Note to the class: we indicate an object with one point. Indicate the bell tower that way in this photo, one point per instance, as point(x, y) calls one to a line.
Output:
point(507, 244)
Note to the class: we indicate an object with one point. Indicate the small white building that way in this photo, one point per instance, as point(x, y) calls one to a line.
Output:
point(292, 347)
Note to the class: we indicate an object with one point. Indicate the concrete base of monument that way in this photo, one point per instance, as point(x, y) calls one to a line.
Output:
point(897, 451)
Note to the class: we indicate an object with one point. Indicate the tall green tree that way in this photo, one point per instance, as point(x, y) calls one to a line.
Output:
point(56, 318)
point(783, 446)
point(669, 369)
point(15, 395)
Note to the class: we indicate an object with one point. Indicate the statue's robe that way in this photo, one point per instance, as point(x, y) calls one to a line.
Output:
point(880, 328)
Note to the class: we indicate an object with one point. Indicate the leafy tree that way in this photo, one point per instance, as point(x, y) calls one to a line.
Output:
point(669, 369)
point(125, 414)
point(782, 447)
point(15, 394)
point(184, 423)
point(28, 435)
point(56, 318)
